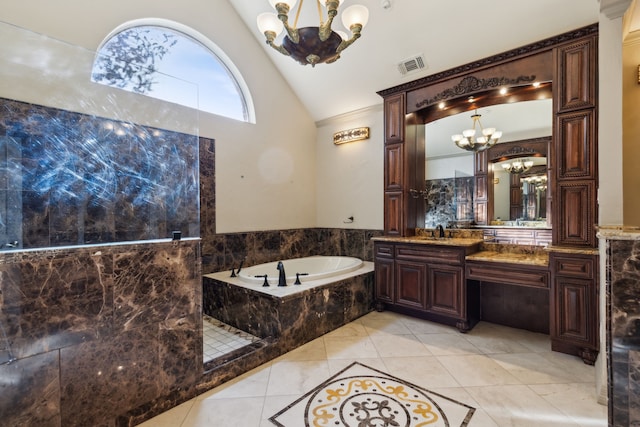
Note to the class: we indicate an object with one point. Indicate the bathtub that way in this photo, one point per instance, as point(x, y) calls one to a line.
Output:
point(310, 268)
point(323, 271)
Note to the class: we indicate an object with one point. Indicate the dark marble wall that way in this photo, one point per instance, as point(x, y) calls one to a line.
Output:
point(449, 201)
point(95, 332)
point(226, 251)
point(623, 334)
point(73, 179)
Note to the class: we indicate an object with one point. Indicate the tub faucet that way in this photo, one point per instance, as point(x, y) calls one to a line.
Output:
point(440, 231)
point(282, 277)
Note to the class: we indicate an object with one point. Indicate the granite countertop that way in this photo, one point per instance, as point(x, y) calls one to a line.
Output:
point(538, 259)
point(619, 233)
point(455, 241)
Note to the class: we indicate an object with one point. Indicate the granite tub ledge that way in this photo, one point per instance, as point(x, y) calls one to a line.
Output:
point(618, 233)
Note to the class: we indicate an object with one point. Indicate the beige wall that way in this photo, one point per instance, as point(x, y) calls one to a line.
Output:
point(350, 176)
point(259, 167)
point(631, 130)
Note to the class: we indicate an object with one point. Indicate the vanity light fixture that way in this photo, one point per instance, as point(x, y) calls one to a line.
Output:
point(467, 140)
point(350, 135)
point(518, 166)
point(312, 45)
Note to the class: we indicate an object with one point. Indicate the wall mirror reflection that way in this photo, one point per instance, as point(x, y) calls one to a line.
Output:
point(516, 199)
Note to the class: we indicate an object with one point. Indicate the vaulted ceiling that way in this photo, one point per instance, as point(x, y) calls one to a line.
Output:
point(447, 33)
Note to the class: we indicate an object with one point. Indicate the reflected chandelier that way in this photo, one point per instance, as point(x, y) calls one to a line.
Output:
point(517, 166)
point(467, 140)
point(312, 45)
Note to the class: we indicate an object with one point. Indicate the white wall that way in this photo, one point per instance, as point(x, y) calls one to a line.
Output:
point(265, 172)
point(350, 176)
point(448, 167)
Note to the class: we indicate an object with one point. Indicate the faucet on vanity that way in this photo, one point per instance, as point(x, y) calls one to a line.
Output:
point(282, 277)
point(440, 231)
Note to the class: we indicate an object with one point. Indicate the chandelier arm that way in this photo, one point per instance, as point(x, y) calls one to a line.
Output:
point(283, 15)
point(271, 36)
point(332, 11)
point(355, 31)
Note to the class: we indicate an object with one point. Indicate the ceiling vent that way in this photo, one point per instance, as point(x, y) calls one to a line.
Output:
point(412, 65)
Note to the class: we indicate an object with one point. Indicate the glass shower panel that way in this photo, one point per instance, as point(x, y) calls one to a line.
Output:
point(84, 163)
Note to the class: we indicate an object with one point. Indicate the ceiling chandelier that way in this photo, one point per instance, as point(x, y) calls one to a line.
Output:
point(312, 45)
point(467, 140)
point(518, 166)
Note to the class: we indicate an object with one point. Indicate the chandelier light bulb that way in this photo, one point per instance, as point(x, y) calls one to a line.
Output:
point(269, 22)
point(355, 15)
point(467, 142)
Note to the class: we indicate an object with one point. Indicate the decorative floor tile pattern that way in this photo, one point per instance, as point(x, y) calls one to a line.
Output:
point(519, 383)
point(220, 338)
point(362, 396)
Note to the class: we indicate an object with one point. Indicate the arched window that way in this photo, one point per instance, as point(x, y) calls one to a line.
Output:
point(146, 56)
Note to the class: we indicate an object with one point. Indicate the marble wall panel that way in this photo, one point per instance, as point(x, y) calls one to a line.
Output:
point(30, 391)
point(448, 201)
point(55, 301)
point(225, 251)
point(115, 327)
point(623, 334)
point(82, 179)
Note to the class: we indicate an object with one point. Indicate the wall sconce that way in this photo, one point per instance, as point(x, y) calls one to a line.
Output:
point(350, 135)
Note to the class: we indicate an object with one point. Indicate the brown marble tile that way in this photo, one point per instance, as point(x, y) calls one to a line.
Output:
point(30, 392)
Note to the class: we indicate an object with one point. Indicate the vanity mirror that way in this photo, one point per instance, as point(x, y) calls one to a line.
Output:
point(449, 170)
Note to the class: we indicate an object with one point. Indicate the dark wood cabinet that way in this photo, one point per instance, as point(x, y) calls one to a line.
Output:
point(574, 302)
point(568, 65)
point(576, 65)
point(411, 284)
point(427, 281)
point(394, 111)
point(445, 290)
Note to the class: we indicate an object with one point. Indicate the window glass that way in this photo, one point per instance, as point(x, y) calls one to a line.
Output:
point(145, 60)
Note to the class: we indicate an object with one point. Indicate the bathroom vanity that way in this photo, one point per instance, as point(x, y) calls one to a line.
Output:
point(439, 280)
point(426, 278)
point(459, 281)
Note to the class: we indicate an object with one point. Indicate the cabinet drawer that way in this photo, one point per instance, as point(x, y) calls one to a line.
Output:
point(583, 268)
point(430, 254)
point(519, 275)
point(383, 250)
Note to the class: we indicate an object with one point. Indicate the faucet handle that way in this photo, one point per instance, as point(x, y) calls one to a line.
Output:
point(266, 281)
point(297, 282)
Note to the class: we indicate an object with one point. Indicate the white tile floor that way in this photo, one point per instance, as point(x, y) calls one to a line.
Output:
point(510, 376)
point(219, 338)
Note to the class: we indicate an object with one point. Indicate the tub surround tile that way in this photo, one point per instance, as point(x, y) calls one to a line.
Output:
point(295, 319)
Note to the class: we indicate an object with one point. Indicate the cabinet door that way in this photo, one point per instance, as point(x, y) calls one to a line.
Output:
point(575, 317)
point(575, 80)
point(411, 284)
point(393, 167)
point(444, 290)
point(394, 118)
point(384, 280)
point(393, 221)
